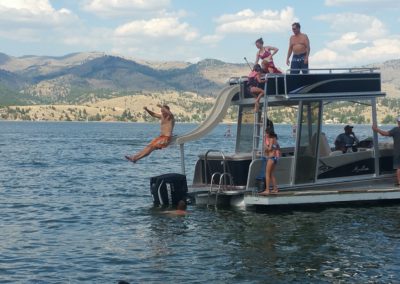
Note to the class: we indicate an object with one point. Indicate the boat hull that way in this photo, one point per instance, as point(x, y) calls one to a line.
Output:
point(360, 191)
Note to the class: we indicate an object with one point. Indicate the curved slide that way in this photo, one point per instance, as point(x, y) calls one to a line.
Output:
point(216, 115)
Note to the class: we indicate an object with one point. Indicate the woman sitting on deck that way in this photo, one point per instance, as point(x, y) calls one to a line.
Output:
point(272, 153)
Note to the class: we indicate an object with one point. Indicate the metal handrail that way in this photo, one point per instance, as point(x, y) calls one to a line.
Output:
point(205, 162)
point(221, 182)
point(330, 70)
point(211, 186)
point(224, 183)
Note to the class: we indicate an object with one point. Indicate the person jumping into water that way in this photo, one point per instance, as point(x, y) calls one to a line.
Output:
point(167, 123)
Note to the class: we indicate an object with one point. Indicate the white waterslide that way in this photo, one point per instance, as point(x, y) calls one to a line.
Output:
point(216, 115)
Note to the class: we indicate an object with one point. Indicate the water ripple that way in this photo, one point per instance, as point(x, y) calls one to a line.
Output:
point(73, 210)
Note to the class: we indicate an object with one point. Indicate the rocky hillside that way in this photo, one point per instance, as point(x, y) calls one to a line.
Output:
point(390, 71)
point(95, 86)
point(77, 78)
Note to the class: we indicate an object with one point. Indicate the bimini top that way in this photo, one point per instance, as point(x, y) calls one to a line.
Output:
point(344, 83)
point(325, 84)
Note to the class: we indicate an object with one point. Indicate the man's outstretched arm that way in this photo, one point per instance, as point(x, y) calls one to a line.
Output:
point(380, 131)
point(152, 113)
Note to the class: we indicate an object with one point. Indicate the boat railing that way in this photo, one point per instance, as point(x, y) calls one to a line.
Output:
point(318, 83)
point(222, 185)
point(334, 70)
point(325, 83)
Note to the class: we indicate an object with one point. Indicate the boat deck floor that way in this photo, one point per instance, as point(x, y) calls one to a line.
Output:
point(354, 191)
point(319, 196)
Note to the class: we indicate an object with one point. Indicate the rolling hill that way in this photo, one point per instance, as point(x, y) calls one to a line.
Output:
point(102, 85)
point(78, 77)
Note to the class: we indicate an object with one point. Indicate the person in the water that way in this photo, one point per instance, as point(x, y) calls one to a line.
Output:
point(180, 209)
point(167, 123)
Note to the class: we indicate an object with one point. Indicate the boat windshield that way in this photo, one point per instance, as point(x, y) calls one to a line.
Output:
point(245, 129)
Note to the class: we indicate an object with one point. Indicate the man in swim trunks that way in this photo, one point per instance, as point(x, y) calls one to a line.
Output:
point(299, 45)
point(167, 122)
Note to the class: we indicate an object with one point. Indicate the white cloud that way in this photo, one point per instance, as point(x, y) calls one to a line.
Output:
point(359, 40)
point(379, 3)
point(33, 12)
point(35, 7)
point(34, 21)
point(124, 7)
point(378, 51)
point(367, 27)
point(157, 28)
point(347, 40)
point(248, 21)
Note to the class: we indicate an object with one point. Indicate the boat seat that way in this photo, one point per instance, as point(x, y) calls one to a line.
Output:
point(336, 153)
point(324, 148)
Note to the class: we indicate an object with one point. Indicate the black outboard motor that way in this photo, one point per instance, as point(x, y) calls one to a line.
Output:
point(168, 189)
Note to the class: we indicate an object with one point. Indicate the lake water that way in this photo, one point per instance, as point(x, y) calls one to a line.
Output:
point(72, 210)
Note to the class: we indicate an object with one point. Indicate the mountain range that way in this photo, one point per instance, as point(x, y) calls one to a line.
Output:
point(81, 77)
point(78, 77)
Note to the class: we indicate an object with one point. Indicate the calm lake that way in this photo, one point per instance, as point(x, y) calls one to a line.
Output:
point(73, 210)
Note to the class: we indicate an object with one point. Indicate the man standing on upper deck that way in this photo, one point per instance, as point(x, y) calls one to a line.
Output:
point(299, 45)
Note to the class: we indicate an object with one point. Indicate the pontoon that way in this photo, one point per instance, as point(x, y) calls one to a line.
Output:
point(310, 172)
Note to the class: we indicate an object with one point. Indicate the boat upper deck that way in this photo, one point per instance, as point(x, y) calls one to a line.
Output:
point(319, 84)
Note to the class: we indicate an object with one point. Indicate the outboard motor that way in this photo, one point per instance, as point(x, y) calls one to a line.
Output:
point(168, 189)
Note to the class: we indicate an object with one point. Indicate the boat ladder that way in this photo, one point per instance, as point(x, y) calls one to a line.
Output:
point(260, 124)
point(222, 181)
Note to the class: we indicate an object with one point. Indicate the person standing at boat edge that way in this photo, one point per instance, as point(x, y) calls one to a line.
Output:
point(395, 134)
point(265, 53)
point(272, 153)
point(299, 45)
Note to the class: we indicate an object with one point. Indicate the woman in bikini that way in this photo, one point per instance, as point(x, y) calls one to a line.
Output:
point(272, 153)
point(256, 85)
point(265, 53)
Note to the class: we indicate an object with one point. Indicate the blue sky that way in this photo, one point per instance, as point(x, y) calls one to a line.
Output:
point(342, 33)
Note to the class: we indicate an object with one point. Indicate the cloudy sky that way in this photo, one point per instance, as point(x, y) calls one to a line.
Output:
point(342, 32)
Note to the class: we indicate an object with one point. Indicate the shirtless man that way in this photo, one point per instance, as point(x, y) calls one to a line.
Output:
point(299, 45)
point(167, 125)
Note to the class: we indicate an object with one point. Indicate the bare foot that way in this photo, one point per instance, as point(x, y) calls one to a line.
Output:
point(275, 190)
point(265, 192)
point(130, 158)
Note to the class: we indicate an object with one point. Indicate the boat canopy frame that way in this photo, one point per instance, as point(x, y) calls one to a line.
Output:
point(343, 84)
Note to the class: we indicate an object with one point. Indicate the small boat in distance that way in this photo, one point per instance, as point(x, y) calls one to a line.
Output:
point(310, 171)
